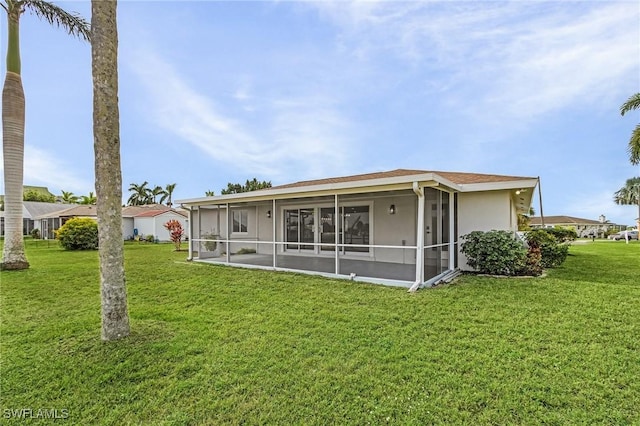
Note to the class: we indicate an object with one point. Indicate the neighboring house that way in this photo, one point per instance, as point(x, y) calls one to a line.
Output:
point(30, 211)
point(583, 227)
point(145, 220)
point(400, 227)
point(151, 222)
point(49, 223)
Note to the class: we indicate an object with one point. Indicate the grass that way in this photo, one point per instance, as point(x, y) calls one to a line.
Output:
point(217, 345)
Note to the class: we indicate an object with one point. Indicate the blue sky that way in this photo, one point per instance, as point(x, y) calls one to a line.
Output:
point(214, 92)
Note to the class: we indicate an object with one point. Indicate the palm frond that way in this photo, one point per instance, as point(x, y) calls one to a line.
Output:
point(634, 146)
point(632, 103)
point(73, 23)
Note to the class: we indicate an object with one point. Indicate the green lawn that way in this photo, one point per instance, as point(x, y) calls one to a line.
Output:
point(217, 345)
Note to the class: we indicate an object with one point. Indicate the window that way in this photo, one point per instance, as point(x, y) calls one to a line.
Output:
point(240, 221)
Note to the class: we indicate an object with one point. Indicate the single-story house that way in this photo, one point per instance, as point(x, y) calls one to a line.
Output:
point(152, 222)
point(50, 222)
point(583, 227)
point(30, 211)
point(136, 220)
point(400, 227)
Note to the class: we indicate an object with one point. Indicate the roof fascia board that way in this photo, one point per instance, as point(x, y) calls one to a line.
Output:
point(496, 186)
point(353, 187)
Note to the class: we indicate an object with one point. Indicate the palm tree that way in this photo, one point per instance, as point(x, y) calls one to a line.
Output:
point(155, 192)
point(168, 193)
point(88, 199)
point(69, 198)
point(141, 194)
point(13, 106)
point(209, 193)
point(633, 103)
point(106, 136)
point(629, 195)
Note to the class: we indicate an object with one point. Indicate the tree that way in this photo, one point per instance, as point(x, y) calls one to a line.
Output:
point(175, 231)
point(141, 194)
point(69, 198)
point(250, 185)
point(13, 107)
point(32, 195)
point(108, 170)
point(155, 192)
point(209, 193)
point(88, 199)
point(168, 193)
point(629, 195)
point(633, 149)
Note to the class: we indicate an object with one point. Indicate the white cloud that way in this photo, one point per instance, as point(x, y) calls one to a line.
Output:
point(301, 132)
point(43, 168)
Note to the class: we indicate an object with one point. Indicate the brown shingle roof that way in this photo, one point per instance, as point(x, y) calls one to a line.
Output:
point(455, 177)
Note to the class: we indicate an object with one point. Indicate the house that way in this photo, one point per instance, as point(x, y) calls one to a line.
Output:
point(49, 223)
point(400, 227)
point(136, 220)
point(30, 211)
point(143, 221)
point(583, 227)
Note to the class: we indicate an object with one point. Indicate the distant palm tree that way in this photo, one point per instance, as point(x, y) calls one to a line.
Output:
point(155, 193)
point(13, 107)
point(633, 103)
point(140, 194)
point(69, 198)
point(88, 199)
point(209, 193)
point(629, 195)
point(168, 193)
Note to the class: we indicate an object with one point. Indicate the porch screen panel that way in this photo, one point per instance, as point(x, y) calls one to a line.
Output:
point(291, 229)
point(327, 228)
point(356, 228)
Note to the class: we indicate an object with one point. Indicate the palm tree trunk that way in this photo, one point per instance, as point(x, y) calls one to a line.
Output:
point(13, 151)
point(106, 133)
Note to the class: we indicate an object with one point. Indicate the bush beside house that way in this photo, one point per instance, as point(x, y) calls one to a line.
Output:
point(79, 233)
point(502, 253)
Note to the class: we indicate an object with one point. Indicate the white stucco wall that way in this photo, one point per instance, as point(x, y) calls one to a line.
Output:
point(484, 211)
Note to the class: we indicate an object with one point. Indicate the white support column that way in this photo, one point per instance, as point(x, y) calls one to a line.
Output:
point(453, 252)
point(336, 231)
point(190, 234)
point(228, 237)
point(419, 238)
point(274, 217)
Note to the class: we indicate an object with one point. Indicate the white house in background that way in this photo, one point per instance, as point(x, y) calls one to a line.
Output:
point(152, 223)
point(145, 220)
point(30, 211)
point(583, 227)
point(400, 227)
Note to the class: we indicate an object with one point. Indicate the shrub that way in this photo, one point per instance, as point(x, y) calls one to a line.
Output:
point(149, 238)
point(210, 245)
point(495, 253)
point(175, 232)
point(35, 233)
point(553, 246)
point(78, 234)
point(563, 235)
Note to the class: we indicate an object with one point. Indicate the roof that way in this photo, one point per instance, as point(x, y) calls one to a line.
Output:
point(81, 210)
point(154, 213)
point(132, 211)
point(31, 209)
point(455, 177)
point(565, 220)
point(399, 179)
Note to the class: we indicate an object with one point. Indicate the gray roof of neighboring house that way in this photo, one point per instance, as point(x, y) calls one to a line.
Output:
point(33, 209)
point(565, 220)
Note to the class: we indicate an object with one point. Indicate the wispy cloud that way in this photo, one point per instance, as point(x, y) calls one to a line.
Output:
point(300, 131)
point(43, 168)
point(500, 59)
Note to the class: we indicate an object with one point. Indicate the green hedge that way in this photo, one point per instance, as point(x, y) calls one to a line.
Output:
point(78, 234)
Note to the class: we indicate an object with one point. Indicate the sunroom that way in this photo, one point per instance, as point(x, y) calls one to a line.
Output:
point(397, 228)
